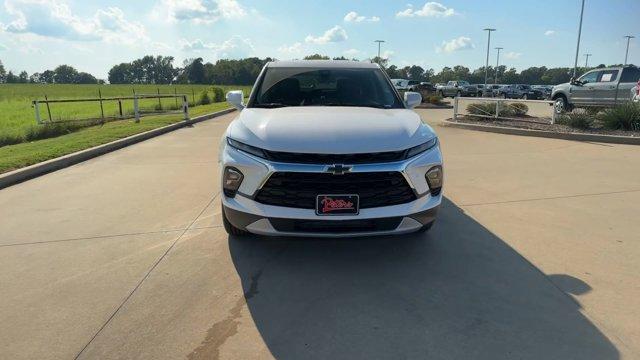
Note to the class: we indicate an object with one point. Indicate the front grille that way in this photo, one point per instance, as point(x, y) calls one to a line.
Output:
point(299, 190)
point(336, 226)
point(364, 158)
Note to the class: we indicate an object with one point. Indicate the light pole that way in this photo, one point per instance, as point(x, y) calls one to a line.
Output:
point(379, 42)
point(586, 60)
point(626, 54)
point(495, 80)
point(575, 65)
point(486, 66)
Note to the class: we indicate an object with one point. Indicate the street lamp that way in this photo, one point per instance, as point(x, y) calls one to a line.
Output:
point(586, 60)
point(486, 66)
point(575, 65)
point(626, 54)
point(379, 42)
point(495, 80)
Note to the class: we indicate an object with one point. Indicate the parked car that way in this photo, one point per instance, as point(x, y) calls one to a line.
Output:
point(405, 85)
point(545, 89)
point(332, 159)
point(457, 88)
point(492, 90)
point(480, 89)
point(519, 91)
point(598, 87)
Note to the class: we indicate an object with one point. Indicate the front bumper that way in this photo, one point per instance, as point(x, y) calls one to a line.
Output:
point(245, 213)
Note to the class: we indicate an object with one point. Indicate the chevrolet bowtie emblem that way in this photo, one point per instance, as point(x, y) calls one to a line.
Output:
point(338, 169)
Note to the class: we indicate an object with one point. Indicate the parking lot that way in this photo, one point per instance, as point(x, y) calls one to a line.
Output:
point(535, 256)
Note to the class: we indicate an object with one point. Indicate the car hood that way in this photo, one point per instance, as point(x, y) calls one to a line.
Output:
point(330, 130)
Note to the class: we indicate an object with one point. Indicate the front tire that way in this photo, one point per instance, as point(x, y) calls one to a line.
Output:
point(230, 229)
point(561, 105)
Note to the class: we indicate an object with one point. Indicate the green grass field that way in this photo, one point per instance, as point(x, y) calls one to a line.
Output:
point(17, 118)
point(17, 115)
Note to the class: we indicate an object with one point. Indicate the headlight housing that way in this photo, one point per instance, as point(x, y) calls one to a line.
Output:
point(246, 148)
point(231, 180)
point(421, 148)
point(435, 179)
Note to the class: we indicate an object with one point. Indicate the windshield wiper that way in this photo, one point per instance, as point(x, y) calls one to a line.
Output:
point(372, 105)
point(270, 105)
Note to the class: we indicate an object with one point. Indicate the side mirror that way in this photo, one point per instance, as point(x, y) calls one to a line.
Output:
point(576, 82)
point(236, 98)
point(412, 99)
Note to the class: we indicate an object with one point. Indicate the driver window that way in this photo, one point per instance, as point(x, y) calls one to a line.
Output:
point(590, 77)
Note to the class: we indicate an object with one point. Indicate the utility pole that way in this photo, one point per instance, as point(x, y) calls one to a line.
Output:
point(626, 54)
point(586, 61)
point(379, 42)
point(575, 64)
point(495, 80)
point(486, 66)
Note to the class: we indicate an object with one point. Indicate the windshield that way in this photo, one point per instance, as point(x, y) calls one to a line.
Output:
point(281, 87)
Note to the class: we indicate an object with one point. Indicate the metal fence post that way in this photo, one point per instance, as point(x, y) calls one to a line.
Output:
point(37, 106)
point(101, 107)
point(185, 107)
point(455, 108)
point(497, 109)
point(553, 114)
point(48, 108)
point(136, 110)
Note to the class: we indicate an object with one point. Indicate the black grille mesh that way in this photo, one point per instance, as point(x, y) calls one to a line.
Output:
point(299, 190)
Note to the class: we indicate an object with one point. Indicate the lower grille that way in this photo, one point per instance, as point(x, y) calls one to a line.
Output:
point(336, 226)
point(299, 190)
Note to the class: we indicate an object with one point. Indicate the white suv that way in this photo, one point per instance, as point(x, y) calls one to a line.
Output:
point(328, 148)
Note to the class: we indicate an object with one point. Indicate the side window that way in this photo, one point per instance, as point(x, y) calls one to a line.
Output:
point(590, 77)
point(630, 75)
point(608, 76)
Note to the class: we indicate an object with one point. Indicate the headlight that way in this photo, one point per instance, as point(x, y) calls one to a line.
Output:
point(231, 181)
point(246, 148)
point(421, 148)
point(434, 178)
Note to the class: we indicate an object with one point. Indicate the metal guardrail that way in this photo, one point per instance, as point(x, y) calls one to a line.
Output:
point(501, 103)
point(136, 106)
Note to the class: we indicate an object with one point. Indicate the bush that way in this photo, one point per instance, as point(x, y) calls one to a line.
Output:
point(218, 94)
point(578, 119)
point(204, 98)
point(434, 99)
point(486, 109)
point(519, 109)
point(622, 117)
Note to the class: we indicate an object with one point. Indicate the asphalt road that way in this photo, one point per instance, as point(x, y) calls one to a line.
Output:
point(534, 256)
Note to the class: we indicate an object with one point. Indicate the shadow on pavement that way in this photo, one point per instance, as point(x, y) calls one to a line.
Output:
point(458, 292)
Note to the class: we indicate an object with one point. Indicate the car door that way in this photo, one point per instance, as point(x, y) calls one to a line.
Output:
point(583, 92)
point(604, 90)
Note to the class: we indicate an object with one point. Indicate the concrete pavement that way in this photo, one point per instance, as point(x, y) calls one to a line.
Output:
point(534, 256)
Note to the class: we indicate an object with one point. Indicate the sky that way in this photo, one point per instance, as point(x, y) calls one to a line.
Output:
point(36, 35)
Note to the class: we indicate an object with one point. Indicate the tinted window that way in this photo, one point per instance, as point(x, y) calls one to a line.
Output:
point(608, 76)
point(630, 75)
point(590, 77)
point(325, 87)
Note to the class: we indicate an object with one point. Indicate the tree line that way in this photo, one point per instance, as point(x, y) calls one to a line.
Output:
point(161, 70)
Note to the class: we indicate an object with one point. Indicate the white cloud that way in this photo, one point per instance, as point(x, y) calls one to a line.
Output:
point(351, 53)
point(550, 32)
point(430, 9)
point(387, 54)
point(513, 55)
point(235, 47)
point(354, 17)
point(198, 11)
point(293, 49)
point(3, 47)
point(461, 43)
point(54, 18)
point(335, 34)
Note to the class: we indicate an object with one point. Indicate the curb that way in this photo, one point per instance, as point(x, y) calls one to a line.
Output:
point(45, 167)
point(611, 139)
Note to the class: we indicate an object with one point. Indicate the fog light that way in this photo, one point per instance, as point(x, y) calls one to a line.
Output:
point(434, 179)
point(231, 181)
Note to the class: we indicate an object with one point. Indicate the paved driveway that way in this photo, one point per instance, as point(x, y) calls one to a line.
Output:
point(534, 257)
